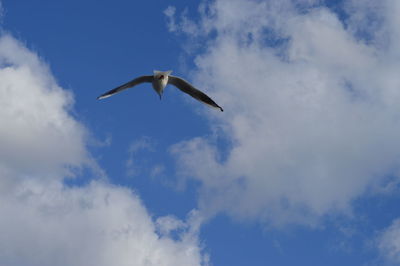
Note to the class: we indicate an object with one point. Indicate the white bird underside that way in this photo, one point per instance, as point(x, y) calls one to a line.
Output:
point(159, 81)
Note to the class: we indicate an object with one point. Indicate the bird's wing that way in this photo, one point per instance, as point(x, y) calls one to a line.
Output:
point(186, 87)
point(125, 86)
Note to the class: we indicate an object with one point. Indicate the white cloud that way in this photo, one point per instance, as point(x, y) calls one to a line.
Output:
point(37, 135)
point(43, 222)
point(313, 118)
point(97, 225)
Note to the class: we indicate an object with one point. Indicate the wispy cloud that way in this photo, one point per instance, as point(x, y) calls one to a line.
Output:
point(389, 243)
point(134, 164)
point(170, 13)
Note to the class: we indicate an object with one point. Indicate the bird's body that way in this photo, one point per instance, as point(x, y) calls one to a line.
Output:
point(159, 80)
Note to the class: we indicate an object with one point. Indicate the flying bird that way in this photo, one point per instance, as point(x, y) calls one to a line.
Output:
point(159, 81)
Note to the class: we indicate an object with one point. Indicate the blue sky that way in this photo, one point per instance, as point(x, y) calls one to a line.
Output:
point(301, 168)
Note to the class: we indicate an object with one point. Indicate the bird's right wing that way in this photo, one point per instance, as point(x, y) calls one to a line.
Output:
point(125, 86)
point(186, 87)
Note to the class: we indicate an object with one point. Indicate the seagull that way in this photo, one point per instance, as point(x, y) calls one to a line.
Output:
point(159, 81)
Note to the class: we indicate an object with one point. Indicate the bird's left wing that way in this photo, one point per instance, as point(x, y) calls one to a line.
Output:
point(186, 87)
point(125, 86)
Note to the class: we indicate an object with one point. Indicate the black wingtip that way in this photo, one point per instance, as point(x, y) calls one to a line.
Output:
point(221, 109)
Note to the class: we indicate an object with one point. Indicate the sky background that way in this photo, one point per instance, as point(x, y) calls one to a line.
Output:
point(301, 168)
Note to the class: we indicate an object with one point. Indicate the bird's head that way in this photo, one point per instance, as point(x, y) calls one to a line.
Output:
point(161, 74)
